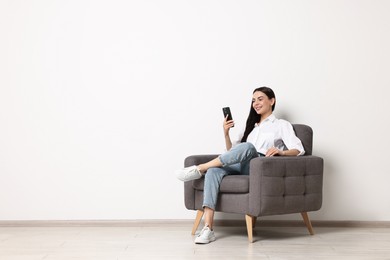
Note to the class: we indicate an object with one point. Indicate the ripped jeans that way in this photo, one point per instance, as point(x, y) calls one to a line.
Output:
point(234, 162)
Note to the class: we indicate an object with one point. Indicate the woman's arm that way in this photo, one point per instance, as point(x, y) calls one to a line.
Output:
point(228, 142)
point(292, 152)
point(274, 151)
point(290, 139)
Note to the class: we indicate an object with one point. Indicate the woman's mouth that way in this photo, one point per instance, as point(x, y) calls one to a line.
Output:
point(257, 108)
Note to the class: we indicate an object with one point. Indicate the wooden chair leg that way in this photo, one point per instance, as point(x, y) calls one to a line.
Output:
point(250, 222)
point(306, 219)
point(199, 215)
point(254, 222)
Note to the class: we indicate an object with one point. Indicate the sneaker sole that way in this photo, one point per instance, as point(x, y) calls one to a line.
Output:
point(205, 241)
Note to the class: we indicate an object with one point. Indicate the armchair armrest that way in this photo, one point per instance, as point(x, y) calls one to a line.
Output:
point(198, 159)
point(283, 185)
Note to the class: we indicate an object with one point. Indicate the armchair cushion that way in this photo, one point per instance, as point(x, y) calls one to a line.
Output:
point(230, 184)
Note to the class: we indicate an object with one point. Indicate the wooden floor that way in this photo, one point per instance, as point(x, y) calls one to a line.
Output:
point(174, 241)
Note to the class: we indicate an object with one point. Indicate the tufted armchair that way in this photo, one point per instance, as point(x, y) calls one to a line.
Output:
point(275, 185)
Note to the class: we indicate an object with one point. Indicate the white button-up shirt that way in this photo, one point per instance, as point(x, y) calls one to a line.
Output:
point(273, 132)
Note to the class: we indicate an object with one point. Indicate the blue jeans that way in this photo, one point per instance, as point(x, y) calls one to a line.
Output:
point(235, 161)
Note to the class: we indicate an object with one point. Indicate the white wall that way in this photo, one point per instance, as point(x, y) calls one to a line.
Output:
point(100, 101)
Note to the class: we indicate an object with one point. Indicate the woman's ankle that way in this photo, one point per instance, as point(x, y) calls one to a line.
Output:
point(201, 168)
point(209, 226)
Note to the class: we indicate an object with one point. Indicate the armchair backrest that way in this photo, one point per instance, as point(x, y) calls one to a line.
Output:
point(305, 134)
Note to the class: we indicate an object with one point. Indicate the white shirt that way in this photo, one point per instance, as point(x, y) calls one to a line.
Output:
point(273, 132)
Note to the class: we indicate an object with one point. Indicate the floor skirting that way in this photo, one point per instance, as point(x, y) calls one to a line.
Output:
point(189, 223)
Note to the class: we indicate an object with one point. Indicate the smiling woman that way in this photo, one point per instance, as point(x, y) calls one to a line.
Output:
point(264, 135)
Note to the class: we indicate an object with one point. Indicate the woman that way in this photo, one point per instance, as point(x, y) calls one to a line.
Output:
point(264, 135)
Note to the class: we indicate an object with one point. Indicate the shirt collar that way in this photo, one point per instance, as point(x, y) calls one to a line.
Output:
point(270, 118)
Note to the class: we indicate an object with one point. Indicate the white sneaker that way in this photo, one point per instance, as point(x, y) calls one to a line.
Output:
point(188, 173)
point(206, 236)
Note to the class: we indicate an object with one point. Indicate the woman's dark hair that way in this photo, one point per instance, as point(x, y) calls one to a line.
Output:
point(253, 117)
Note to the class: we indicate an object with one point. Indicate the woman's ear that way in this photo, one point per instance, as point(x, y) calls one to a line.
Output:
point(272, 101)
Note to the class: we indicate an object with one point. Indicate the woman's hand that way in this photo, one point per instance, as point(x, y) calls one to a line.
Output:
point(274, 151)
point(227, 125)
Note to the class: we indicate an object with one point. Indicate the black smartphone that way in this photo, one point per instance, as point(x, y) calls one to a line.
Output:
point(226, 112)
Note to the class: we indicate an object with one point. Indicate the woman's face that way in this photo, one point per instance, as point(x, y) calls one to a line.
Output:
point(262, 104)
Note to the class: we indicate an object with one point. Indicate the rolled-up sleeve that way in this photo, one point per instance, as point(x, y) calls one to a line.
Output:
point(290, 139)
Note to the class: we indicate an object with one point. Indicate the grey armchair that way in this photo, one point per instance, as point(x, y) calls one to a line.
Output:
point(275, 186)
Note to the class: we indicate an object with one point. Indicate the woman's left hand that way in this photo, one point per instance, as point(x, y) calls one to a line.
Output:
point(273, 151)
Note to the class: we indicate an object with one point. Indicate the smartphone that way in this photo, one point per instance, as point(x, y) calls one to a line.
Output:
point(226, 112)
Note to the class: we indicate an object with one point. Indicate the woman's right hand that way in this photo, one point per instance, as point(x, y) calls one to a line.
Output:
point(227, 125)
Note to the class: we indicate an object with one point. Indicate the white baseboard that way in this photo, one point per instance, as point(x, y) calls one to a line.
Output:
point(189, 223)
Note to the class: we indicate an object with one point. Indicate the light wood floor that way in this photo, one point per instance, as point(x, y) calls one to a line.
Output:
point(174, 241)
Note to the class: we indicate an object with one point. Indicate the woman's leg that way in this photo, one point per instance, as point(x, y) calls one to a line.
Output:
point(241, 153)
point(212, 182)
point(208, 217)
point(214, 163)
